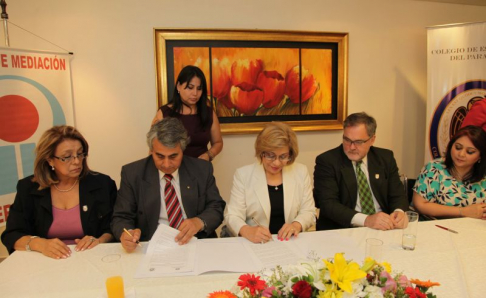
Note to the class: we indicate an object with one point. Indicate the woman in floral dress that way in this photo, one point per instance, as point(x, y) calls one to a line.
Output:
point(455, 186)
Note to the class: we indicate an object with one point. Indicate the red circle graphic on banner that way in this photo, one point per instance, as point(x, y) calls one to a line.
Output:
point(19, 118)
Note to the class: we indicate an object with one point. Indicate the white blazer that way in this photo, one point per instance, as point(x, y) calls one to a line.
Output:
point(250, 198)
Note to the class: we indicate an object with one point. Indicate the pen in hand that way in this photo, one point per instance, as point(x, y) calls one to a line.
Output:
point(258, 224)
point(130, 234)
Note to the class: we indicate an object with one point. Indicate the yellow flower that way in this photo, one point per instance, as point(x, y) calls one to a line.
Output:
point(342, 273)
point(387, 266)
point(368, 264)
point(330, 292)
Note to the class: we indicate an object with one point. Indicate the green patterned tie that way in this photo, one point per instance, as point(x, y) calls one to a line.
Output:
point(367, 206)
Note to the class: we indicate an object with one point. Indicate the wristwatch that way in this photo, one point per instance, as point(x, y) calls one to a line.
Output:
point(27, 246)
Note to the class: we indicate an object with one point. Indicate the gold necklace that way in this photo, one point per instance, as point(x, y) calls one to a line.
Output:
point(66, 190)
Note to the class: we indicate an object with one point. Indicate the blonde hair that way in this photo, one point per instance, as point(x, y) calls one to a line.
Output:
point(43, 174)
point(276, 135)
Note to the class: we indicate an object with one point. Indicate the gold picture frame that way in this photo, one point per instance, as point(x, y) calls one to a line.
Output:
point(311, 68)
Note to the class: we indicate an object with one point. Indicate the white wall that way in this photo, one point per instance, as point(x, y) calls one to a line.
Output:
point(114, 77)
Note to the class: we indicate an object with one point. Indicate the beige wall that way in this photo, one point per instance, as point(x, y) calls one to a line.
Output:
point(114, 77)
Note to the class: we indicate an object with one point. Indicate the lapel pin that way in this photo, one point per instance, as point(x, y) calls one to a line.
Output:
point(188, 187)
point(85, 208)
point(377, 176)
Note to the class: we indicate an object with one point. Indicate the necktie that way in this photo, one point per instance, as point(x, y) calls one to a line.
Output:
point(174, 212)
point(367, 206)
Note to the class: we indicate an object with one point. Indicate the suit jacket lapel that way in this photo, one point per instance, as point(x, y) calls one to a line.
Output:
point(45, 203)
point(376, 174)
point(288, 180)
point(44, 199)
point(150, 195)
point(86, 200)
point(349, 177)
point(260, 187)
point(189, 193)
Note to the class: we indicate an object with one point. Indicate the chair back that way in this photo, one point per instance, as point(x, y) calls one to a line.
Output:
point(408, 186)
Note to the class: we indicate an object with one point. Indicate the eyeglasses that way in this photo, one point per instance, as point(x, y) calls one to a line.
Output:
point(357, 143)
point(71, 158)
point(273, 157)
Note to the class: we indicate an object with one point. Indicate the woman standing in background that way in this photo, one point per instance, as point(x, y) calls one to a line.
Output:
point(189, 104)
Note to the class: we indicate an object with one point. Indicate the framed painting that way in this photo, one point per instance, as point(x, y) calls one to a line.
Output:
point(257, 76)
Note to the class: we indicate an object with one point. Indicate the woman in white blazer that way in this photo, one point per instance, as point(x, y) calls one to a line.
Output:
point(274, 195)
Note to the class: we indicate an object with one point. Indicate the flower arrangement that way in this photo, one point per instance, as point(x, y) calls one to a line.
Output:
point(333, 278)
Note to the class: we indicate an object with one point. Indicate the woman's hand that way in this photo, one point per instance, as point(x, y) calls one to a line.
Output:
point(52, 248)
point(256, 234)
point(475, 211)
point(204, 156)
point(289, 230)
point(87, 242)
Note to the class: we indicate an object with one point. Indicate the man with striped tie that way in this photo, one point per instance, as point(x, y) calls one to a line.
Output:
point(167, 188)
point(358, 185)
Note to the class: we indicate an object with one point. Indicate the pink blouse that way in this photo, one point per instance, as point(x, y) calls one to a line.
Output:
point(66, 225)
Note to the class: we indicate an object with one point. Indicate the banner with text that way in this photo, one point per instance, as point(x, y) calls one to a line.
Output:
point(456, 74)
point(35, 94)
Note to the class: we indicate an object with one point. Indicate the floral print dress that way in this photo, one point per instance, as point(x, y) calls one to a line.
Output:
point(437, 185)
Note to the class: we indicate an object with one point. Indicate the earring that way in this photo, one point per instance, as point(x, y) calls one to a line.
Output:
point(52, 167)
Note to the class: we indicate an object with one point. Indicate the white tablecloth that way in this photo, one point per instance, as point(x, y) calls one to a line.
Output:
point(457, 261)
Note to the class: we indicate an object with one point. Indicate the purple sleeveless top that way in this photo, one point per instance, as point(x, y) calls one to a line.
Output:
point(200, 137)
point(66, 225)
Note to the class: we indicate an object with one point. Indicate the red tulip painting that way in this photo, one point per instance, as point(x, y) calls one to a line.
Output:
point(245, 71)
point(246, 97)
point(257, 76)
point(221, 78)
point(263, 81)
point(274, 85)
point(293, 80)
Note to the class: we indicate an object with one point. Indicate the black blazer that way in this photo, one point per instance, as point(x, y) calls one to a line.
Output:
point(139, 198)
point(336, 189)
point(31, 212)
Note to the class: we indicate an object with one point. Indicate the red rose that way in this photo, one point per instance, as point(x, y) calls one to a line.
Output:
point(302, 289)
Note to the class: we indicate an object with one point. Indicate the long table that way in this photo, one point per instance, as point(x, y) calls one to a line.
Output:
point(457, 261)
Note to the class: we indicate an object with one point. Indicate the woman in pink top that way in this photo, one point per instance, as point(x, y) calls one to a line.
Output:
point(63, 202)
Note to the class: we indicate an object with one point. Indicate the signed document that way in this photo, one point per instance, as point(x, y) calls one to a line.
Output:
point(274, 253)
point(165, 257)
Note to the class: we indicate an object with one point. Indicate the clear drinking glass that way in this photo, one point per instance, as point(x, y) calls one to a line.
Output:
point(374, 248)
point(409, 236)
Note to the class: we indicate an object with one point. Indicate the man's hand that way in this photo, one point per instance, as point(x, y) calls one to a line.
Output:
point(379, 221)
point(130, 243)
point(188, 228)
point(400, 219)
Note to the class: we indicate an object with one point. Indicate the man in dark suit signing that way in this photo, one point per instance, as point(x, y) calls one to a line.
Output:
point(356, 184)
point(167, 188)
